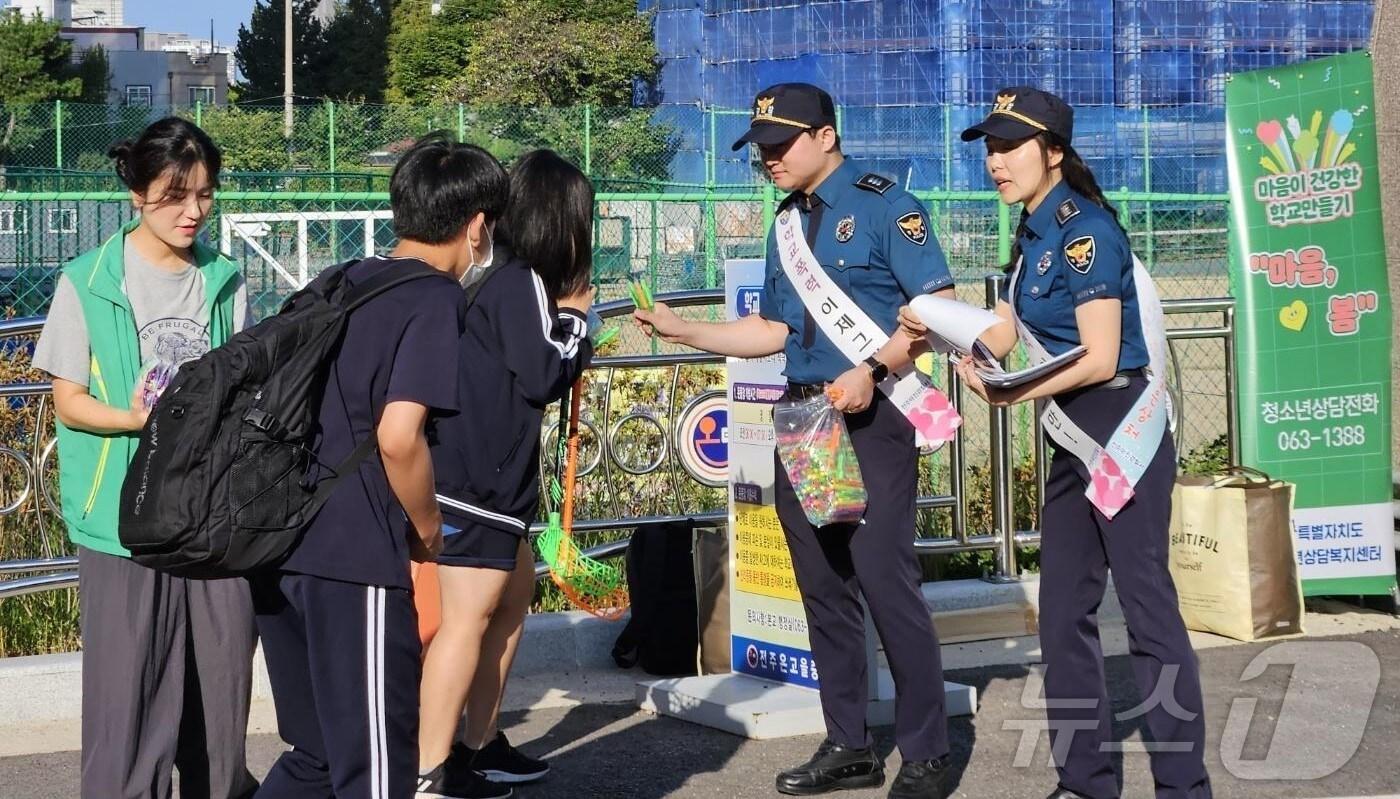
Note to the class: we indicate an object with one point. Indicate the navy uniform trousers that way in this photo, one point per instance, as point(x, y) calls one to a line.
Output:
point(835, 565)
point(343, 660)
point(1079, 547)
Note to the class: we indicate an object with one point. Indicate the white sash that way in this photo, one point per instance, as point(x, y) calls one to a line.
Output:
point(857, 336)
point(1115, 469)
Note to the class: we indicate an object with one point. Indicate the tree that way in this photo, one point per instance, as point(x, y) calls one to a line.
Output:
point(580, 39)
point(259, 52)
point(251, 139)
point(95, 72)
point(428, 53)
point(33, 69)
point(570, 59)
point(357, 51)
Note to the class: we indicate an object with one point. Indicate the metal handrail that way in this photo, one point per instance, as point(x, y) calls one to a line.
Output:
point(38, 565)
point(53, 573)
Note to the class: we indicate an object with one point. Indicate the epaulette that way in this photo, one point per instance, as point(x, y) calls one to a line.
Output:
point(876, 183)
point(1066, 211)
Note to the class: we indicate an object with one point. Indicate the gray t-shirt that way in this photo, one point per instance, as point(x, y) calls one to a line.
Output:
point(169, 311)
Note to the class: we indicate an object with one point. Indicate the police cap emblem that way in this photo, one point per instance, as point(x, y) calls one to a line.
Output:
point(1080, 254)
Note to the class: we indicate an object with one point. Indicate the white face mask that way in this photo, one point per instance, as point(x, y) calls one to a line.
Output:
point(476, 270)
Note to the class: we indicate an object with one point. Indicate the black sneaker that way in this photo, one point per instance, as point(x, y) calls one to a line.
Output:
point(459, 784)
point(833, 768)
point(921, 779)
point(498, 761)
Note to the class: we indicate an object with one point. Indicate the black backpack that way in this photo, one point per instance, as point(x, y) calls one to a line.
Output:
point(221, 484)
point(662, 636)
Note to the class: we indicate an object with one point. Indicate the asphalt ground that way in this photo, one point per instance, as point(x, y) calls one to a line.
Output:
point(1313, 709)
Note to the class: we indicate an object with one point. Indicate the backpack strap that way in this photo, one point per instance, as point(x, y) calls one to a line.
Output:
point(358, 295)
point(349, 466)
point(387, 279)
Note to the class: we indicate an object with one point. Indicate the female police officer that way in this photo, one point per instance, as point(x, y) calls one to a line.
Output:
point(1108, 497)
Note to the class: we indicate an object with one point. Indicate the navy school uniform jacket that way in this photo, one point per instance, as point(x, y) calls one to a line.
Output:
point(519, 353)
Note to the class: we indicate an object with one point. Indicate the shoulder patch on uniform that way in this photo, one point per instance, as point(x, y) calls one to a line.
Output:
point(913, 227)
point(1066, 211)
point(1079, 254)
point(876, 183)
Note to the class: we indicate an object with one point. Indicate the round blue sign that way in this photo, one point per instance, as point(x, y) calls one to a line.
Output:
point(709, 439)
point(702, 438)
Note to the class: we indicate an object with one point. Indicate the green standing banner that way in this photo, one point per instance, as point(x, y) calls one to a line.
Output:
point(1308, 273)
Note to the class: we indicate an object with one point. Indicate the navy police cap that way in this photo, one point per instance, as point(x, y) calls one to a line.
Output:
point(1023, 111)
point(785, 110)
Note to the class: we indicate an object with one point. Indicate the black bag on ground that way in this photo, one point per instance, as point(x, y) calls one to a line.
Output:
point(662, 634)
point(220, 485)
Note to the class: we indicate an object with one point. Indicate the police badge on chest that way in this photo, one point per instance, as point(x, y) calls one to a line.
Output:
point(845, 228)
point(1044, 265)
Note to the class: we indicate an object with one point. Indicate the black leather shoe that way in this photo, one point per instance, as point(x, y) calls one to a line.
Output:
point(833, 768)
point(1065, 793)
point(921, 779)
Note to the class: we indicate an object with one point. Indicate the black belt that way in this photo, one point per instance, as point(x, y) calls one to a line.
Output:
point(1121, 379)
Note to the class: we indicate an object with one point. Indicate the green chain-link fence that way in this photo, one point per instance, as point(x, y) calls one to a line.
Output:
point(674, 202)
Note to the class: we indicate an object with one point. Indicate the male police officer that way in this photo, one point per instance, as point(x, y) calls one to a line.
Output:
point(873, 242)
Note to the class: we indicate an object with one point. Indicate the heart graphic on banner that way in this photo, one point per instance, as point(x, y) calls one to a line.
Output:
point(921, 421)
point(1294, 315)
point(935, 418)
point(1268, 132)
point(1109, 489)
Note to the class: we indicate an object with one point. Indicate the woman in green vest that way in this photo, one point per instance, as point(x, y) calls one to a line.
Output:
point(167, 662)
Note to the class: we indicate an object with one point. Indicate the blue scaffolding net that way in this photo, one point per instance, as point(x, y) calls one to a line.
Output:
point(1146, 78)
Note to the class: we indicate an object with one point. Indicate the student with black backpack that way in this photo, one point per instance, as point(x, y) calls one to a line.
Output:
point(167, 661)
point(336, 617)
point(525, 342)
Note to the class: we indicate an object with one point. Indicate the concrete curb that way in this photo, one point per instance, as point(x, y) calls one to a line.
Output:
point(574, 647)
point(48, 688)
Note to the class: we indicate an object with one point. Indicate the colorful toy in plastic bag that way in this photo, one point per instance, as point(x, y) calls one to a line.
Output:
point(599, 332)
point(816, 454)
point(155, 379)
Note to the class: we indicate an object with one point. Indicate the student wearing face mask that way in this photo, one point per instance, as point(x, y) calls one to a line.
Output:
point(525, 342)
point(337, 617)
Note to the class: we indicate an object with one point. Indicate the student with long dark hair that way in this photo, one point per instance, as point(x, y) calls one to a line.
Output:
point(167, 662)
point(525, 342)
point(1107, 501)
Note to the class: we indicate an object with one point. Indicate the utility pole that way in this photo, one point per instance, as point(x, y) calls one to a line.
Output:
point(287, 69)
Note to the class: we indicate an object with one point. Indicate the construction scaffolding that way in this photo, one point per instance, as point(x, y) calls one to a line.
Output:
point(910, 75)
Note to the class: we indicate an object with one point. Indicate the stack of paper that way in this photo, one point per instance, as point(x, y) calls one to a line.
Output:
point(954, 328)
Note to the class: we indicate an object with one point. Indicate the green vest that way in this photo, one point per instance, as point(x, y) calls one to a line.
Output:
point(91, 466)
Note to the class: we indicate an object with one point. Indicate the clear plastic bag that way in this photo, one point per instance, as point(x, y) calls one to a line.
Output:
point(816, 453)
point(155, 378)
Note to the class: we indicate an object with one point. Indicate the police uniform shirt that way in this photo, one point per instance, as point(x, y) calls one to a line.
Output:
point(875, 243)
point(1073, 252)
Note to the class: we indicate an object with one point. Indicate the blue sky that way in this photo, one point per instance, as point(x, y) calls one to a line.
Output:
point(191, 17)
